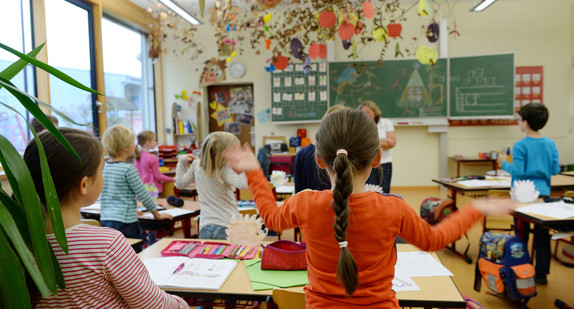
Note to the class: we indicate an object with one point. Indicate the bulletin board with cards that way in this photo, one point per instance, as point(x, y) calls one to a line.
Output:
point(297, 96)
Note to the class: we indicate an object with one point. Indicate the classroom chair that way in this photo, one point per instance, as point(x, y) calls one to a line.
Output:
point(498, 222)
point(567, 251)
point(284, 299)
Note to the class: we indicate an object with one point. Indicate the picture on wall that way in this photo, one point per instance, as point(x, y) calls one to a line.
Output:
point(244, 119)
point(241, 101)
point(233, 127)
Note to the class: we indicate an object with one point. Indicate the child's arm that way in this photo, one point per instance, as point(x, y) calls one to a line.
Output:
point(184, 171)
point(555, 162)
point(154, 168)
point(518, 166)
point(136, 185)
point(131, 279)
point(231, 177)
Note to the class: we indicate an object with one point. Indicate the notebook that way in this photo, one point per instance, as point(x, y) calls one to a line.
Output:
point(189, 273)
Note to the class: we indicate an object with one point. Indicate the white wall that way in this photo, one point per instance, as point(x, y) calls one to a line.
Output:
point(538, 32)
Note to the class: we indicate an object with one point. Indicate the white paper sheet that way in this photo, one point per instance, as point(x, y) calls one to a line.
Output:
point(485, 183)
point(172, 211)
point(402, 282)
point(559, 210)
point(420, 264)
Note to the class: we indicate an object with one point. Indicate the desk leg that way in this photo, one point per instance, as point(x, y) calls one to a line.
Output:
point(457, 168)
point(186, 226)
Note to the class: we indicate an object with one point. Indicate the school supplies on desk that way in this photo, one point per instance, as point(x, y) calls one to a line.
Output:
point(209, 250)
point(184, 272)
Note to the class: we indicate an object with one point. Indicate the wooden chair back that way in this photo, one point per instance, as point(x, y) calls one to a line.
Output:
point(498, 222)
point(288, 300)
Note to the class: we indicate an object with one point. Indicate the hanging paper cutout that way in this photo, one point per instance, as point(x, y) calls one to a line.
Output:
point(327, 19)
point(379, 33)
point(201, 6)
point(280, 62)
point(395, 29)
point(213, 72)
point(423, 8)
point(297, 48)
point(346, 31)
point(368, 9)
point(271, 3)
point(182, 96)
point(432, 32)
point(427, 55)
point(317, 50)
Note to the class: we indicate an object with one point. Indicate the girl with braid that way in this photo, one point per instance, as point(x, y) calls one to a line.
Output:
point(350, 233)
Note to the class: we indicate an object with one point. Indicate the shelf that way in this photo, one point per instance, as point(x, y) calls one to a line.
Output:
point(185, 134)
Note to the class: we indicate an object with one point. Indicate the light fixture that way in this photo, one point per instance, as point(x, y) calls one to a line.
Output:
point(181, 12)
point(480, 6)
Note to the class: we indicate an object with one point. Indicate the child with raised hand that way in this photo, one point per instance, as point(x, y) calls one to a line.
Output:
point(123, 185)
point(101, 269)
point(534, 158)
point(350, 233)
point(214, 182)
point(148, 164)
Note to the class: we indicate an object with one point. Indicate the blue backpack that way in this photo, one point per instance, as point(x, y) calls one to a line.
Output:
point(505, 267)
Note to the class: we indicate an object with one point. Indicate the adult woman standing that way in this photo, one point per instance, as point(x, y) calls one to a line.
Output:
point(388, 141)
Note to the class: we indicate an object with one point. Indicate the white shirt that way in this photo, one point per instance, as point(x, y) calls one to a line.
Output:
point(384, 126)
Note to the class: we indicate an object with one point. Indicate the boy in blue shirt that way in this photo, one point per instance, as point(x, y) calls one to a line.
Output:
point(534, 158)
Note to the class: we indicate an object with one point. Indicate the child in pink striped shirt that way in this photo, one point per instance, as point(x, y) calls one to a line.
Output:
point(100, 269)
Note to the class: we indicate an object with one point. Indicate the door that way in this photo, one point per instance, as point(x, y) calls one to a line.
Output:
point(231, 109)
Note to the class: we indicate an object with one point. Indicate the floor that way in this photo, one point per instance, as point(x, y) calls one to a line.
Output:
point(560, 283)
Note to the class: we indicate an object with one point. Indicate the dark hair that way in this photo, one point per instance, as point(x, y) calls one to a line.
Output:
point(38, 127)
point(355, 132)
point(535, 114)
point(65, 169)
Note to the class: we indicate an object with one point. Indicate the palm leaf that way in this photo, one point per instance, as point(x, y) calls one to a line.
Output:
point(13, 289)
point(53, 71)
point(15, 68)
point(25, 192)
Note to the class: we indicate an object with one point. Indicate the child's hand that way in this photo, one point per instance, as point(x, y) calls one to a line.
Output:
point(494, 206)
point(501, 158)
point(163, 216)
point(241, 158)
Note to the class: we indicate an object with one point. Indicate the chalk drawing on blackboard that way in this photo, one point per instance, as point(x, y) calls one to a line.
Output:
point(415, 95)
point(480, 92)
point(346, 87)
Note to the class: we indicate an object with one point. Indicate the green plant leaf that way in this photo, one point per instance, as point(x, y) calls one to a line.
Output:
point(53, 71)
point(42, 103)
point(19, 65)
point(51, 197)
point(11, 230)
point(21, 181)
point(38, 114)
point(58, 270)
point(18, 214)
point(13, 289)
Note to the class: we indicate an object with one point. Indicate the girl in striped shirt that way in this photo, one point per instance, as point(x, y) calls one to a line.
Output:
point(100, 269)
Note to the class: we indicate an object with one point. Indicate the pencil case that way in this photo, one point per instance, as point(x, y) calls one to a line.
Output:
point(284, 255)
point(208, 250)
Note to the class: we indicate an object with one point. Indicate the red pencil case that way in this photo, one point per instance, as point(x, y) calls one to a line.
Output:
point(208, 250)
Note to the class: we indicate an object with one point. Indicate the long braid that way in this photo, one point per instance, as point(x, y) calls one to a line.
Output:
point(347, 271)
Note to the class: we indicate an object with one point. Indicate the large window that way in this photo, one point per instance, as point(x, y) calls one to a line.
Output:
point(70, 46)
point(16, 33)
point(128, 78)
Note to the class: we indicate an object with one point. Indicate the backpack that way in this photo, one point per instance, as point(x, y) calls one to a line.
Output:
point(505, 266)
point(433, 210)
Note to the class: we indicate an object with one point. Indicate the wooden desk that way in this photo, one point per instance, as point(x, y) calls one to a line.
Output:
point(569, 173)
point(460, 160)
point(134, 241)
point(435, 291)
point(153, 224)
point(557, 182)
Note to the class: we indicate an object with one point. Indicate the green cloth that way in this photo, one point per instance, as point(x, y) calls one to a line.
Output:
point(270, 279)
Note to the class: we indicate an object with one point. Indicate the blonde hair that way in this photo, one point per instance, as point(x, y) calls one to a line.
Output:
point(116, 138)
point(334, 108)
point(144, 137)
point(376, 110)
point(211, 156)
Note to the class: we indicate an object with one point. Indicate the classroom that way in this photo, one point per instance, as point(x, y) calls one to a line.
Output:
point(535, 33)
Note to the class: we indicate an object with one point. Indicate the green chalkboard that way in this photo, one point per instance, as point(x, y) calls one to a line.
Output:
point(482, 86)
point(401, 88)
point(297, 96)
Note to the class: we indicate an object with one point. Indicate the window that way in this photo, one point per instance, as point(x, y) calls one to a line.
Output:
point(128, 78)
point(15, 20)
point(70, 46)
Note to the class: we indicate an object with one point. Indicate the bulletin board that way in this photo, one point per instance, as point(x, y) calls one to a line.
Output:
point(297, 96)
point(401, 88)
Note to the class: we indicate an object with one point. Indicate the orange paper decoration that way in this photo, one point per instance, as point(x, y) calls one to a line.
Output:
point(346, 31)
point(281, 62)
point(327, 19)
point(368, 9)
point(305, 141)
point(317, 50)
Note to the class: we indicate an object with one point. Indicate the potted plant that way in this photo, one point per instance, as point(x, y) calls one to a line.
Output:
point(25, 248)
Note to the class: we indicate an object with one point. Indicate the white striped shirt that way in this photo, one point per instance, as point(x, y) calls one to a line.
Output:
point(122, 185)
point(102, 270)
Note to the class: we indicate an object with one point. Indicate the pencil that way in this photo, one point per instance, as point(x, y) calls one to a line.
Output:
point(243, 252)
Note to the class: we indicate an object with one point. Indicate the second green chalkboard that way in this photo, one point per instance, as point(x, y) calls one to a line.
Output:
point(401, 88)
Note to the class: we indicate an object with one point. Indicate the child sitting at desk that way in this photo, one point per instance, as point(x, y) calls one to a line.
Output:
point(352, 264)
point(123, 185)
point(214, 183)
point(101, 269)
point(147, 164)
point(535, 158)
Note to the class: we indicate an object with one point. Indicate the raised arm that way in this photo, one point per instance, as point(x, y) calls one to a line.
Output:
point(185, 171)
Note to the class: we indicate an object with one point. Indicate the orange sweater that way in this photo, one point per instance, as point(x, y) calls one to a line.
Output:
point(374, 222)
